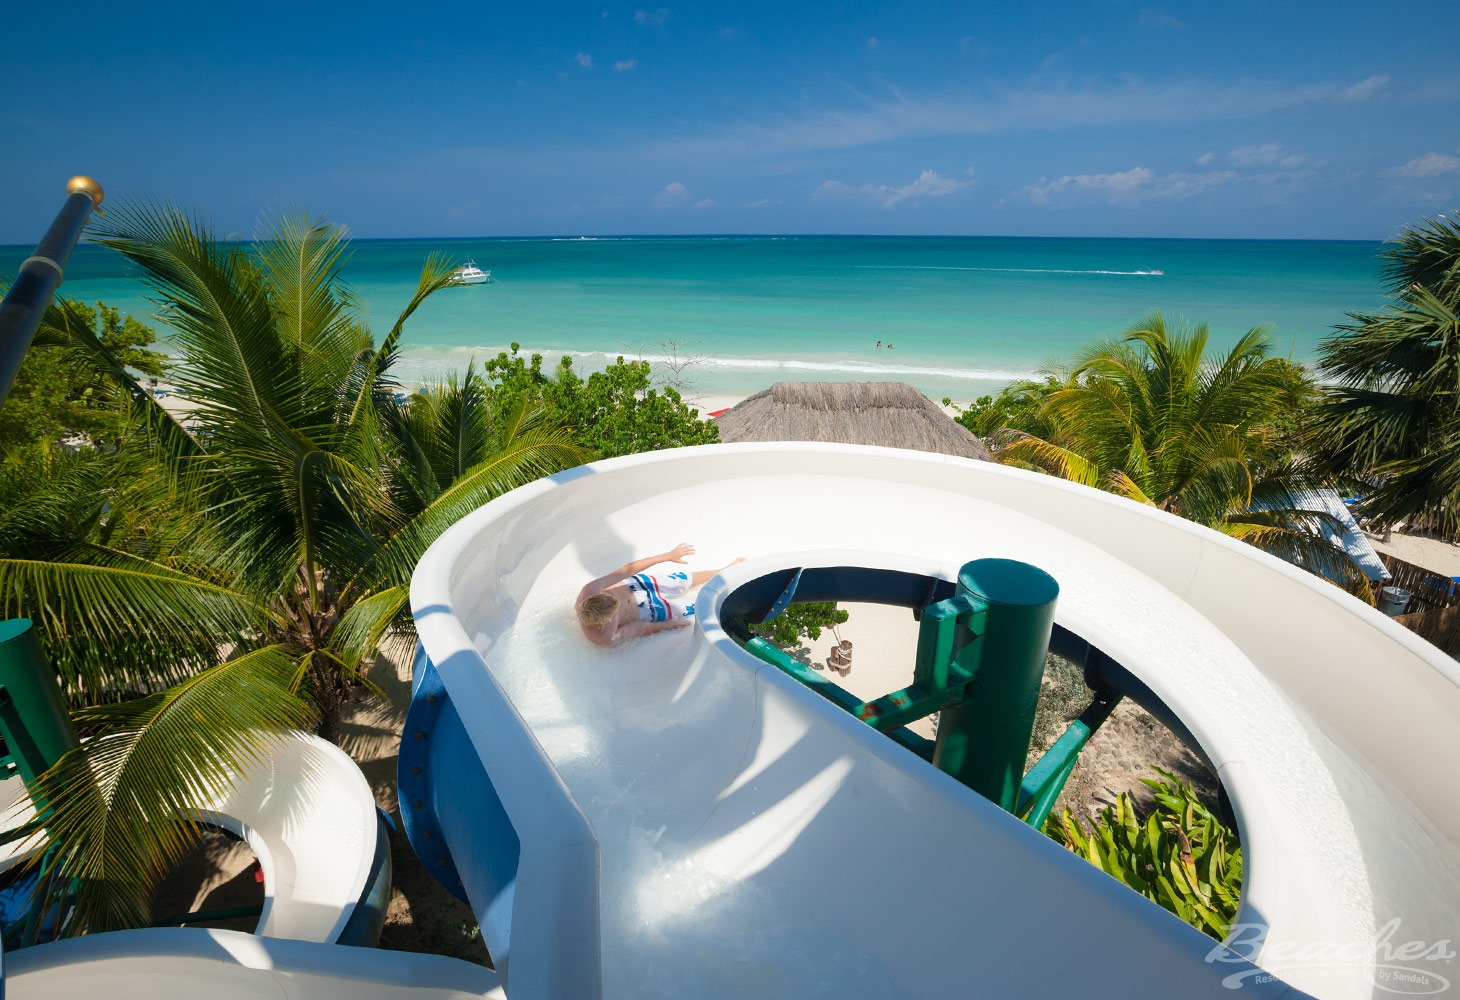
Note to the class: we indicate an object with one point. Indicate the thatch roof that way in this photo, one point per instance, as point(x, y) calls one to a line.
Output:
point(892, 414)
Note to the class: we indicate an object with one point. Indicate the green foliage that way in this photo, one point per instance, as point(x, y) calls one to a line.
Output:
point(1390, 411)
point(1016, 407)
point(60, 389)
point(800, 622)
point(1182, 857)
point(610, 413)
point(1153, 418)
point(262, 557)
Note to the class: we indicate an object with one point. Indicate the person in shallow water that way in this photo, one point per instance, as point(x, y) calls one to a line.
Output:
point(630, 601)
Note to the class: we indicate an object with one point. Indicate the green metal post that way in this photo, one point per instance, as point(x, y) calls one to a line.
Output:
point(33, 716)
point(983, 740)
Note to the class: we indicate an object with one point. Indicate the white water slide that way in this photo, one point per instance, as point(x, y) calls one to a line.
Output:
point(672, 817)
point(683, 820)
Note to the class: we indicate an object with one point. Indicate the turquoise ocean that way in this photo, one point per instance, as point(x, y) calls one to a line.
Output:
point(958, 316)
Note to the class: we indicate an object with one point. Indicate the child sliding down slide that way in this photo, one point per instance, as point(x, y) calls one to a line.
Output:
point(630, 601)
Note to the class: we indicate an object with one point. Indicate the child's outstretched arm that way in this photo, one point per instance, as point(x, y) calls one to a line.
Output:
point(676, 554)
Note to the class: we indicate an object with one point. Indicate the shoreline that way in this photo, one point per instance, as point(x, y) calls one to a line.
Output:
point(704, 403)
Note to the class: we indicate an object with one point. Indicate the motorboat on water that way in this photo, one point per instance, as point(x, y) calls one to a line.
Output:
point(470, 274)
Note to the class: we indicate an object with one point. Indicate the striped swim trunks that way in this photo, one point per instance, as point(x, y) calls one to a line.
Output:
point(659, 597)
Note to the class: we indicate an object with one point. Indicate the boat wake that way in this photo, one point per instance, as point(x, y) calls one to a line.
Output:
point(1153, 273)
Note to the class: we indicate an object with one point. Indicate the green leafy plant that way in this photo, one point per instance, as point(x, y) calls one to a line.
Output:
point(609, 413)
point(1016, 407)
point(1182, 857)
point(60, 390)
point(800, 622)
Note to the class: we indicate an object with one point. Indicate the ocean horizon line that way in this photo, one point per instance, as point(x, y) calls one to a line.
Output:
point(626, 237)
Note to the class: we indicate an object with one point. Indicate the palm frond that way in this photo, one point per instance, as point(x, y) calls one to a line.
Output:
point(361, 628)
point(531, 454)
point(219, 309)
point(1425, 254)
point(130, 602)
point(1294, 536)
point(122, 803)
point(1033, 452)
point(1122, 485)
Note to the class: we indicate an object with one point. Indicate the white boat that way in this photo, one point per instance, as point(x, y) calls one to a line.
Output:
point(470, 274)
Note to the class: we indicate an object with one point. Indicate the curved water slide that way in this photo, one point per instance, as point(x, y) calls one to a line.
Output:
point(309, 816)
point(674, 817)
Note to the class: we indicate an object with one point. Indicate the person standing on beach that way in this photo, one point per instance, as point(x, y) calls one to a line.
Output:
point(631, 602)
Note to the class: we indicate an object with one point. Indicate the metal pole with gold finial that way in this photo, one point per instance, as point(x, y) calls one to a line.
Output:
point(40, 276)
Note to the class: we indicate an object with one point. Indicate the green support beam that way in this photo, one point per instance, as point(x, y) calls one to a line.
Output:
point(983, 739)
point(980, 660)
point(1046, 779)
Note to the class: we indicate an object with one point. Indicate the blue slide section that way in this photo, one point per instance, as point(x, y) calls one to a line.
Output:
point(446, 799)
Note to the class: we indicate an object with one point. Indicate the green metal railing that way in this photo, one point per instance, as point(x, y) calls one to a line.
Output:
point(980, 660)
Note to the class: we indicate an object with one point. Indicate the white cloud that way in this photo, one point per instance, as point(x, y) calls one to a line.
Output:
point(653, 18)
point(704, 204)
point(623, 65)
point(1125, 187)
point(1363, 90)
point(1205, 159)
point(872, 42)
point(1153, 18)
point(1428, 165)
point(1183, 185)
point(1267, 154)
point(759, 203)
point(930, 184)
point(585, 60)
point(674, 195)
point(1114, 185)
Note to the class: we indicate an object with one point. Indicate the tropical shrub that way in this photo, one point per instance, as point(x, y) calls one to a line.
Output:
point(59, 390)
point(1016, 407)
point(800, 622)
point(1181, 857)
point(612, 412)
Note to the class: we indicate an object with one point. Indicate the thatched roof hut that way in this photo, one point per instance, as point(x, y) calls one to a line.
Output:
point(892, 414)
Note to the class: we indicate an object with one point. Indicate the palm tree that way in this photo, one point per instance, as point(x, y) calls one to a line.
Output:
point(1151, 417)
point(1390, 414)
point(209, 583)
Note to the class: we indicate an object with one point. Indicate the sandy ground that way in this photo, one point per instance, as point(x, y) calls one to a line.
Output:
point(1433, 554)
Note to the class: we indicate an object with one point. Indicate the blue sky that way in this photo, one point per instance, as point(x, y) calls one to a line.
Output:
point(1286, 119)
